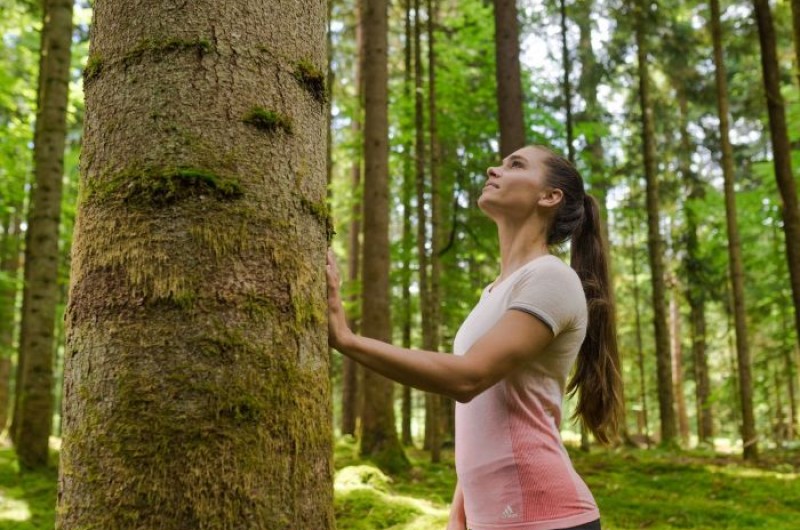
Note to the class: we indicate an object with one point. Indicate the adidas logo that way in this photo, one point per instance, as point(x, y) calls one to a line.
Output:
point(509, 513)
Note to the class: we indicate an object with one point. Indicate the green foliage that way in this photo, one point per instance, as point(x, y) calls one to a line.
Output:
point(268, 121)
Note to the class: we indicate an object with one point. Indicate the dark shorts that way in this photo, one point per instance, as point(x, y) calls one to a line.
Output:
point(594, 525)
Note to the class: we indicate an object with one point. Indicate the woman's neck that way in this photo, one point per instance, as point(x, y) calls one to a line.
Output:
point(519, 244)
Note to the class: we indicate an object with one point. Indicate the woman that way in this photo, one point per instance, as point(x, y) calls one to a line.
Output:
point(515, 350)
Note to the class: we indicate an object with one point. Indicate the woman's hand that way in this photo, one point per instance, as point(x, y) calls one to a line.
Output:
point(338, 331)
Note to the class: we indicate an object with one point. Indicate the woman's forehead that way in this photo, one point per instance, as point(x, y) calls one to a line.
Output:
point(530, 153)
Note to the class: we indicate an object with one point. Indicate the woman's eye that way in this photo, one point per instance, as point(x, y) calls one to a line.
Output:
point(516, 163)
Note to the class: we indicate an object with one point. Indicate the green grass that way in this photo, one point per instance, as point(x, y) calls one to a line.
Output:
point(654, 490)
point(27, 501)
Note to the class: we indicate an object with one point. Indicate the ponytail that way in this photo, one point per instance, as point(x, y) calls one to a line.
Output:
point(597, 373)
point(597, 378)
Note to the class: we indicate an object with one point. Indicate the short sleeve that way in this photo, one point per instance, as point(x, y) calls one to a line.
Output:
point(551, 292)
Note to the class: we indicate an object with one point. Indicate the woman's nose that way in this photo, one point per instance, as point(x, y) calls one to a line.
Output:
point(491, 172)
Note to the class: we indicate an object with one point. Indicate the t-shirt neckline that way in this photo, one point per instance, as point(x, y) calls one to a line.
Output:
point(492, 287)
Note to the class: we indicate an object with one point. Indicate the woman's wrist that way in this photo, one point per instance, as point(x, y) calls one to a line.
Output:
point(345, 341)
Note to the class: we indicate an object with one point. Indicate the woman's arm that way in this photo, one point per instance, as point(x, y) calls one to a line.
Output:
point(458, 517)
point(514, 339)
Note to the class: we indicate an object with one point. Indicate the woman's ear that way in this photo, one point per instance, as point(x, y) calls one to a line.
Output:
point(551, 197)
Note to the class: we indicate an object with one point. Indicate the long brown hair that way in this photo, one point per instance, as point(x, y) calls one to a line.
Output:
point(597, 376)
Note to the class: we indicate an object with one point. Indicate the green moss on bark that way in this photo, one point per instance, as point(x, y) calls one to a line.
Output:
point(153, 186)
point(94, 65)
point(320, 211)
point(163, 46)
point(312, 79)
point(268, 121)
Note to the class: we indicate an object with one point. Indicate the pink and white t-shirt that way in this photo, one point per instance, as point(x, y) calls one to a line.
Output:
point(511, 463)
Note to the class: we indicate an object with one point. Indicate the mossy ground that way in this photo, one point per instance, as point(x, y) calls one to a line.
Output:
point(635, 489)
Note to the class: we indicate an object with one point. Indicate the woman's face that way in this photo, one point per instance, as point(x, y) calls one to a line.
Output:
point(515, 188)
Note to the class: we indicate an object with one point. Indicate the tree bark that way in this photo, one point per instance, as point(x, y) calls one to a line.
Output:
point(639, 347)
point(796, 34)
point(507, 74)
point(677, 365)
point(40, 291)
point(655, 244)
point(781, 150)
point(408, 183)
point(749, 435)
point(197, 389)
point(8, 302)
point(434, 298)
point(379, 435)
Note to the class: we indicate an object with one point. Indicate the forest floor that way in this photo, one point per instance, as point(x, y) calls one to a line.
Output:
point(634, 488)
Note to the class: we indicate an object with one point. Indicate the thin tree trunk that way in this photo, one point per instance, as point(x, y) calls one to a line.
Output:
point(197, 385)
point(796, 34)
point(407, 228)
point(509, 82)
point(351, 370)
point(8, 303)
point(695, 292)
point(655, 245)
point(422, 217)
point(779, 429)
point(639, 346)
point(677, 364)
point(40, 292)
point(786, 347)
point(379, 439)
point(434, 299)
point(790, 211)
point(566, 85)
point(749, 436)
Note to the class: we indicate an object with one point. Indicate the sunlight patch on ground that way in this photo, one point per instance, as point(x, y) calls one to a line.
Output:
point(13, 510)
point(421, 514)
point(749, 472)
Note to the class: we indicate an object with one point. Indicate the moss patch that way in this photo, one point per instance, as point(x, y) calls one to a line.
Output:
point(157, 47)
point(320, 212)
point(152, 186)
point(268, 121)
point(312, 79)
point(94, 65)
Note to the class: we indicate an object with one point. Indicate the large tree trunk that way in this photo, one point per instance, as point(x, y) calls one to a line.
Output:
point(9, 264)
point(379, 435)
point(40, 292)
point(507, 74)
point(655, 244)
point(781, 150)
point(749, 436)
point(197, 389)
point(350, 369)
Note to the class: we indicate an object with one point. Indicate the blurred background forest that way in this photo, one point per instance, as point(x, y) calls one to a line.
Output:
point(693, 155)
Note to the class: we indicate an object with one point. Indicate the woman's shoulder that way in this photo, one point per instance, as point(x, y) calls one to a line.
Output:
point(549, 268)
